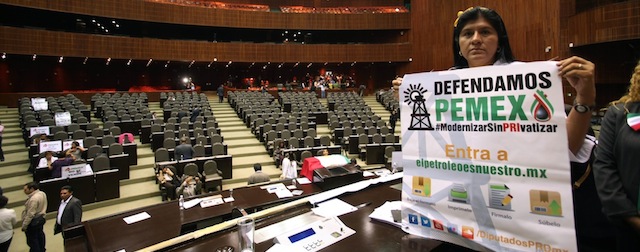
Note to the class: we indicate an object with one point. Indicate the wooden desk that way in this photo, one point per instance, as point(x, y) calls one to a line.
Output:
point(370, 235)
point(167, 221)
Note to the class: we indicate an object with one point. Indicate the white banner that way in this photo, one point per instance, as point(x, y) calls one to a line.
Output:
point(54, 146)
point(39, 130)
point(67, 144)
point(63, 118)
point(76, 170)
point(485, 156)
point(39, 104)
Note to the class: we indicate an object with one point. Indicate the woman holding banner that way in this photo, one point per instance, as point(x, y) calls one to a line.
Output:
point(616, 165)
point(480, 39)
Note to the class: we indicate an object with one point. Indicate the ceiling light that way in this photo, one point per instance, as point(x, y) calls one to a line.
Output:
point(149, 62)
point(34, 56)
point(129, 62)
point(4, 55)
point(191, 64)
point(61, 59)
point(85, 60)
point(108, 61)
point(215, 59)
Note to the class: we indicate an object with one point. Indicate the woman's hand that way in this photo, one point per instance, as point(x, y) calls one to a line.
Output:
point(580, 73)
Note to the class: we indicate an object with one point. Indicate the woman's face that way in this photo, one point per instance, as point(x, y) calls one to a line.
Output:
point(478, 43)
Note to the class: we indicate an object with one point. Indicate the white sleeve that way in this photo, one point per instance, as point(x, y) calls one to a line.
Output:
point(584, 153)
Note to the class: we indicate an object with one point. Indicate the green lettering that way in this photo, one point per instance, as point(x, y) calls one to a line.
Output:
point(441, 107)
point(495, 108)
point(477, 109)
point(455, 109)
point(516, 108)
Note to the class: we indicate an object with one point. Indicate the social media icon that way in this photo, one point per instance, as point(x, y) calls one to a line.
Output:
point(467, 232)
point(413, 219)
point(438, 225)
point(425, 222)
point(452, 228)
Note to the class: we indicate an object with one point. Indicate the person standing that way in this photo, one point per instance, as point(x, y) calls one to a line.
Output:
point(361, 89)
point(289, 168)
point(393, 118)
point(615, 168)
point(1, 151)
point(184, 150)
point(7, 220)
point(33, 217)
point(220, 93)
point(69, 211)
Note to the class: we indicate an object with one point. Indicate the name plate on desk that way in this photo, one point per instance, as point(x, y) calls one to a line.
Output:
point(76, 170)
point(315, 236)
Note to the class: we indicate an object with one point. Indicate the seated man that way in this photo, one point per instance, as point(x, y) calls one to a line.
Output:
point(47, 160)
point(190, 186)
point(56, 167)
point(258, 176)
point(75, 150)
point(184, 150)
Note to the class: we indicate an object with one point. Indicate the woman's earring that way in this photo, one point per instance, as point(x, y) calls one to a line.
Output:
point(499, 50)
point(460, 53)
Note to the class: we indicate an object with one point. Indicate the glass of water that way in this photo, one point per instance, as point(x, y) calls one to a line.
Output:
point(246, 228)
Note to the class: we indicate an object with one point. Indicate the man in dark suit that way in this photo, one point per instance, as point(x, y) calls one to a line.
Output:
point(184, 150)
point(70, 210)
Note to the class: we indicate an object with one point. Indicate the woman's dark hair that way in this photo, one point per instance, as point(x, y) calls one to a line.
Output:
point(504, 49)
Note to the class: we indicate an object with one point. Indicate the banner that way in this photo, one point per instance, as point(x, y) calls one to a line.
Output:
point(39, 104)
point(76, 170)
point(66, 144)
point(55, 146)
point(63, 118)
point(39, 130)
point(486, 158)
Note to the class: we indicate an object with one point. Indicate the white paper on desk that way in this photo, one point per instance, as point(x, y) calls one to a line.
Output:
point(275, 187)
point(381, 172)
point(122, 250)
point(297, 192)
point(211, 202)
point(367, 174)
point(303, 181)
point(136, 217)
point(230, 199)
point(291, 187)
point(191, 203)
point(383, 213)
point(333, 207)
point(284, 193)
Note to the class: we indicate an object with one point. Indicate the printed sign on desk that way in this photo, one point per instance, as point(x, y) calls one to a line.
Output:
point(54, 146)
point(63, 118)
point(67, 143)
point(76, 170)
point(39, 130)
point(39, 104)
point(485, 158)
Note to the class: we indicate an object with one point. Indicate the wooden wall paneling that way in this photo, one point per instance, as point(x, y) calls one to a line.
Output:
point(29, 41)
point(606, 23)
point(177, 14)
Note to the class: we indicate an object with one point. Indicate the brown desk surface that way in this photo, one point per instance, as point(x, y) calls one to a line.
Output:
point(370, 235)
point(112, 233)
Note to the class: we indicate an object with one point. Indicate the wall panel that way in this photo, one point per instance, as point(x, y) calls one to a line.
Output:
point(30, 41)
point(606, 23)
point(168, 13)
